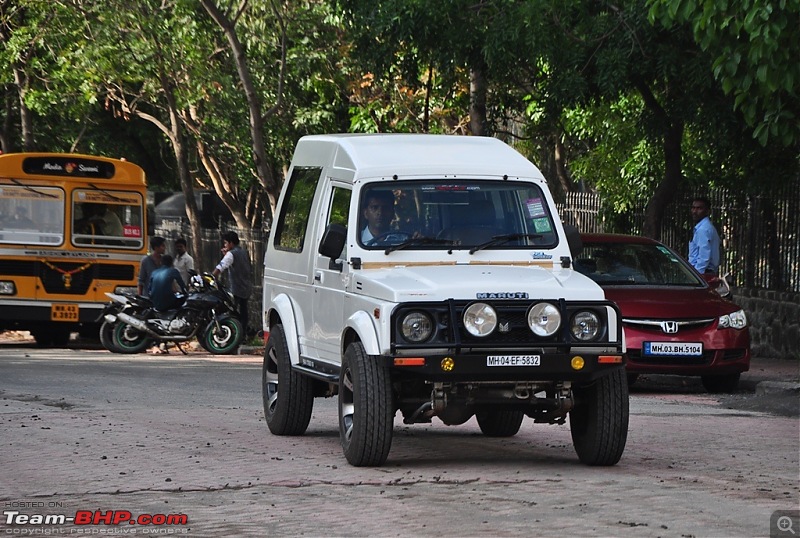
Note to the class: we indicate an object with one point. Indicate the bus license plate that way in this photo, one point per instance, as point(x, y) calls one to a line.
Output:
point(64, 312)
point(513, 360)
point(686, 349)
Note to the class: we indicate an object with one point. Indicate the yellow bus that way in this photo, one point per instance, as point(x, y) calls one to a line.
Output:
point(72, 227)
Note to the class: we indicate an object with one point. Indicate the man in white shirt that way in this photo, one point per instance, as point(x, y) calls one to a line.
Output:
point(182, 262)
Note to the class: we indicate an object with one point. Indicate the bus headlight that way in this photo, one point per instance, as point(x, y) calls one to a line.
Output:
point(7, 287)
point(480, 319)
point(544, 319)
point(585, 325)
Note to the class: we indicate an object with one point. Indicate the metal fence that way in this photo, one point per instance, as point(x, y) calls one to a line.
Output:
point(760, 233)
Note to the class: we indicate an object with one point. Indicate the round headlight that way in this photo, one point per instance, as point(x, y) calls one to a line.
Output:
point(416, 327)
point(480, 319)
point(585, 325)
point(544, 319)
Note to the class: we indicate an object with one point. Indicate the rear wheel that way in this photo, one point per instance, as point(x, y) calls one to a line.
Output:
point(599, 419)
point(366, 408)
point(288, 396)
point(128, 339)
point(500, 422)
point(223, 336)
point(721, 383)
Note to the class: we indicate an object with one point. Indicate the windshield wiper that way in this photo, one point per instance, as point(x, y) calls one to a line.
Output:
point(31, 189)
point(500, 239)
point(422, 240)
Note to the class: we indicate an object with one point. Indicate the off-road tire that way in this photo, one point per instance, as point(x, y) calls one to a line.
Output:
point(716, 384)
point(366, 408)
point(128, 339)
point(599, 419)
point(288, 396)
point(225, 339)
point(500, 422)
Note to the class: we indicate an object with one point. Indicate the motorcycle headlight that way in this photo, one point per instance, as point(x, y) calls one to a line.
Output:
point(416, 327)
point(734, 320)
point(585, 325)
point(544, 319)
point(480, 319)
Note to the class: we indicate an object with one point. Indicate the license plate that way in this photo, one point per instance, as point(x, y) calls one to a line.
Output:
point(64, 312)
point(686, 349)
point(513, 360)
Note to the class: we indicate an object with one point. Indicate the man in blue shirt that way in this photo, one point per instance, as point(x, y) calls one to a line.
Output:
point(704, 246)
point(164, 283)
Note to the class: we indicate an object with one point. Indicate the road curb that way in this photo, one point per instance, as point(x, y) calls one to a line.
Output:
point(776, 387)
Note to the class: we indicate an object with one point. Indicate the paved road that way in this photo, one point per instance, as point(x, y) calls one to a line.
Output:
point(85, 430)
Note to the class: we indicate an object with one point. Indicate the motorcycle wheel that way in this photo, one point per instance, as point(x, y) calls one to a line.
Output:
point(224, 339)
point(128, 340)
point(107, 337)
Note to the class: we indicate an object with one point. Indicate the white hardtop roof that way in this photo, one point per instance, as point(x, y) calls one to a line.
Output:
point(413, 155)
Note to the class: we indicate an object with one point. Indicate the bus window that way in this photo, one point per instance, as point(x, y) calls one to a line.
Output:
point(31, 215)
point(107, 218)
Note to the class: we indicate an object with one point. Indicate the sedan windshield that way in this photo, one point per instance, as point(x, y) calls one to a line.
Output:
point(469, 215)
point(634, 264)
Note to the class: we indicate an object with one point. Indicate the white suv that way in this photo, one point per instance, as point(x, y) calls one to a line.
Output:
point(431, 275)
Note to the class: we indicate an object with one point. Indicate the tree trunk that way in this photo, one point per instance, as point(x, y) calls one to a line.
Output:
point(477, 101)
point(263, 169)
point(665, 192)
point(25, 116)
point(561, 166)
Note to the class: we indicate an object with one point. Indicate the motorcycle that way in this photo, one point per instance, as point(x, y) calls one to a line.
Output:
point(131, 323)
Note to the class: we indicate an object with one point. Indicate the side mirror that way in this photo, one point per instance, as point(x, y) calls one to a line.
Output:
point(333, 241)
point(573, 239)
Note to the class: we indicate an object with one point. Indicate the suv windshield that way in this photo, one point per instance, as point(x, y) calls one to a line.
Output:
point(454, 215)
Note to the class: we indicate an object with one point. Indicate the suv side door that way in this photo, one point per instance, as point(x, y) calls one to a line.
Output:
point(329, 280)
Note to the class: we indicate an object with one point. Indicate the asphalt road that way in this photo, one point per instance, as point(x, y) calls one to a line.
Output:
point(86, 431)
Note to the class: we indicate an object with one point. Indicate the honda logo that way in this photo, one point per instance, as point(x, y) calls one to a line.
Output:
point(669, 327)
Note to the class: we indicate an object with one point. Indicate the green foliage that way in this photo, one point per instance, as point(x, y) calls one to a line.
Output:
point(755, 45)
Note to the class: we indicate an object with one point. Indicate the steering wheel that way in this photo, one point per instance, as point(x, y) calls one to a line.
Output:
point(402, 236)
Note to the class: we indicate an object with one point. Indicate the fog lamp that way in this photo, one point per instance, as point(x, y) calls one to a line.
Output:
point(577, 362)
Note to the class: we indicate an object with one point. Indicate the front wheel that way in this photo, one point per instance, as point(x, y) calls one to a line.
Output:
point(716, 384)
point(599, 419)
point(127, 339)
point(223, 336)
point(366, 408)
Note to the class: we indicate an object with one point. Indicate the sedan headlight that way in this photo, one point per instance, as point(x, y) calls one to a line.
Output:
point(480, 319)
point(734, 320)
point(585, 325)
point(416, 326)
point(7, 287)
point(544, 319)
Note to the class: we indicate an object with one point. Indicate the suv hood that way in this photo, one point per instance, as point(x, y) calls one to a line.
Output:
point(465, 282)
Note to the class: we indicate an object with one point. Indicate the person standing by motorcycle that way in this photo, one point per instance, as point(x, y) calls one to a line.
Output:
point(151, 262)
point(237, 262)
point(165, 282)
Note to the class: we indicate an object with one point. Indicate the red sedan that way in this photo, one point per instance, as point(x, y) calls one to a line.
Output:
point(675, 323)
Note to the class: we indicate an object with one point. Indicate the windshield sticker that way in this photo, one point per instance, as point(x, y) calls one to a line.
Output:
point(542, 225)
point(535, 208)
